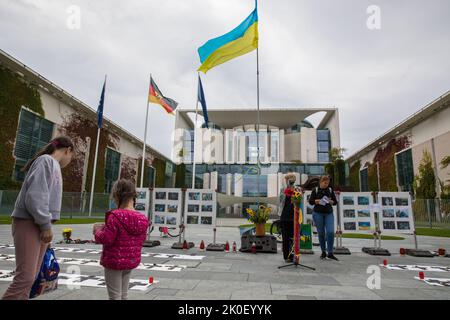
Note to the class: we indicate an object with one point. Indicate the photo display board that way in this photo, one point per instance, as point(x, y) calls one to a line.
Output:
point(355, 212)
point(166, 207)
point(142, 204)
point(308, 216)
point(200, 207)
point(396, 212)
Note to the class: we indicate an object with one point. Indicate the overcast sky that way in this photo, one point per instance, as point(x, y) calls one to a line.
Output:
point(313, 53)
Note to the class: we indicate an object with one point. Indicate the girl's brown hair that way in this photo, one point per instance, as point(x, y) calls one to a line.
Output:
point(123, 191)
point(57, 143)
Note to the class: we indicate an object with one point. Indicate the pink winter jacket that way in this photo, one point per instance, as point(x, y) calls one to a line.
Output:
point(122, 237)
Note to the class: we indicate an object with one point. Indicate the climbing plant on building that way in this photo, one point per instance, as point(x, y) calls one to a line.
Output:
point(425, 181)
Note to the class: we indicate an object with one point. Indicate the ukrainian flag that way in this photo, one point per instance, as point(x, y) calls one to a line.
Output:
point(237, 42)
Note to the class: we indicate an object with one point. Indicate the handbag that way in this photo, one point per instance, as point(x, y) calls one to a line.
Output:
point(47, 278)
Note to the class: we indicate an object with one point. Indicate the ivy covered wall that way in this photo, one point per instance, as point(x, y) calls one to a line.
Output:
point(14, 93)
point(354, 176)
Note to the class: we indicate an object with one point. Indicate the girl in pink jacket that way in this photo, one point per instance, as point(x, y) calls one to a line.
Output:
point(122, 236)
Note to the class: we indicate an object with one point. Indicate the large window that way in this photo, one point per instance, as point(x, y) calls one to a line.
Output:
point(274, 143)
point(112, 168)
point(323, 145)
point(405, 170)
point(33, 133)
point(250, 186)
point(188, 146)
point(364, 179)
point(151, 176)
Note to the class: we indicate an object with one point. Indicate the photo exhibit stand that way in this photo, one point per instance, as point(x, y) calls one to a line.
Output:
point(182, 243)
point(376, 250)
point(416, 252)
point(296, 243)
point(148, 243)
point(339, 248)
point(215, 246)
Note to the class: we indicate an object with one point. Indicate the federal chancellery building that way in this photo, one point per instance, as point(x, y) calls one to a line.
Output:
point(226, 152)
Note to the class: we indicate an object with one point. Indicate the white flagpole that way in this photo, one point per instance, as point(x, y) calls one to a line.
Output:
point(145, 139)
point(95, 163)
point(195, 135)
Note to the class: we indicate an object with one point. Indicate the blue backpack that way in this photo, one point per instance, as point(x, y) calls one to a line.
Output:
point(47, 278)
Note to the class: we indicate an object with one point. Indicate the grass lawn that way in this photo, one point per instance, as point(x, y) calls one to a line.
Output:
point(345, 235)
point(433, 232)
point(7, 220)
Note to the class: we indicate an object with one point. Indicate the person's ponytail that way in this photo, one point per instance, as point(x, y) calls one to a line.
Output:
point(57, 143)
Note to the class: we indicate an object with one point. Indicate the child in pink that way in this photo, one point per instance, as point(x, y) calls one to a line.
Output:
point(122, 236)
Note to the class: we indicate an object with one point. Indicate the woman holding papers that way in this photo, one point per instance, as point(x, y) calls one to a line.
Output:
point(323, 198)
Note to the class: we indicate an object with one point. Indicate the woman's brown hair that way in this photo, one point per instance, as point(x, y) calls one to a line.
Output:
point(57, 143)
point(123, 191)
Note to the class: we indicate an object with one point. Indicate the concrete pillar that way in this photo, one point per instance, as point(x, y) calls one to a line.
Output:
point(272, 185)
point(206, 183)
point(214, 180)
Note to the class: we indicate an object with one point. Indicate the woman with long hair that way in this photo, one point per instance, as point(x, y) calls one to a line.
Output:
point(38, 205)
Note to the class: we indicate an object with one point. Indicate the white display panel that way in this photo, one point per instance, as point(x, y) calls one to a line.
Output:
point(356, 213)
point(166, 207)
point(200, 207)
point(396, 212)
point(142, 204)
point(308, 217)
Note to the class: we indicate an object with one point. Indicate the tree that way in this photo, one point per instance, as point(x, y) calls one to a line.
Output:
point(336, 168)
point(425, 182)
point(445, 188)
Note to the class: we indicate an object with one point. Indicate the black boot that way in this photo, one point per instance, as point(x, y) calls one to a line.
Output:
point(323, 255)
point(332, 257)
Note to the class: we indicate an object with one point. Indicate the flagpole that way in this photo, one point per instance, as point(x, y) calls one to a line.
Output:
point(95, 168)
point(145, 139)
point(195, 136)
point(258, 121)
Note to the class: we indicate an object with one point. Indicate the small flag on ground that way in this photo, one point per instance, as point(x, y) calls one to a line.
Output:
point(155, 96)
point(100, 106)
point(201, 99)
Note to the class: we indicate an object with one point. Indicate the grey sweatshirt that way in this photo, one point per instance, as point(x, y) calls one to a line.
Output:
point(40, 196)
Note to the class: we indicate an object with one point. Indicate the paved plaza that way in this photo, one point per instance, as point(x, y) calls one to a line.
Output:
point(242, 276)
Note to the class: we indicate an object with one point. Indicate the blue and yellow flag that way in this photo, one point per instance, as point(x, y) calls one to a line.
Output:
point(237, 42)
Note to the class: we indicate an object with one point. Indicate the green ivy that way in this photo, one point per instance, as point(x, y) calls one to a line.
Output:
point(354, 176)
point(180, 176)
point(372, 175)
point(425, 181)
point(14, 93)
point(160, 167)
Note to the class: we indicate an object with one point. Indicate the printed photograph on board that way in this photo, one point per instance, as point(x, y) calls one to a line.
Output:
point(141, 195)
point(388, 213)
point(173, 195)
point(349, 213)
point(206, 220)
point(139, 206)
point(364, 225)
point(389, 225)
point(160, 195)
point(193, 208)
point(194, 196)
point(350, 226)
point(402, 213)
point(403, 225)
point(207, 208)
point(159, 219)
point(387, 201)
point(207, 196)
point(172, 208)
point(401, 202)
point(363, 213)
point(348, 201)
point(160, 207)
point(363, 201)
point(171, 220)
point(192, 219)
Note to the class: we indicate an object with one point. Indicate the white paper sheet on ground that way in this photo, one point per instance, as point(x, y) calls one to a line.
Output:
point(96, 263)
point(414, 267)
point(84, 280)
point(440, 282)
point(144, 254)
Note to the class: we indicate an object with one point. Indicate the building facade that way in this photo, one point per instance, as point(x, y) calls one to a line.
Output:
point(34, 110)
point(226, 154)
point(390, 162)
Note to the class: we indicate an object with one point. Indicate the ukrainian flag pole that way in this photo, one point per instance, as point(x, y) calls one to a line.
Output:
point(195, 138)
point(257, 113)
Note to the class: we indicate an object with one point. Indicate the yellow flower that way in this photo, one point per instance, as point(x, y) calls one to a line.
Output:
point(67, 230)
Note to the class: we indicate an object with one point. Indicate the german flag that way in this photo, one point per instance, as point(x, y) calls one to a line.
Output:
point(155, 96)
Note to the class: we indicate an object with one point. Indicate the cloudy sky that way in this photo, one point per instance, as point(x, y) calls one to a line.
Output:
point(313, 53)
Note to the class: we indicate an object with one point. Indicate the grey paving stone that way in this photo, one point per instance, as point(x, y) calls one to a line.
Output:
point(162, 292)
point(296, 297)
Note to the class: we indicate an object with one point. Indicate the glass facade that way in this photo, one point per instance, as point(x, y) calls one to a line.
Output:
point(112, 168)
point(254, 185)
point(323, 145)
point(405, 170)
point(33, 133)
point(188, 146)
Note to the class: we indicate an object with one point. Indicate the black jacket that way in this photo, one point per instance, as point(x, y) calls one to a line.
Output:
point(317, 194)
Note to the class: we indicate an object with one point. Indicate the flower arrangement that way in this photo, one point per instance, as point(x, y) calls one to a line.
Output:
point(296, 196)
point(260, 216)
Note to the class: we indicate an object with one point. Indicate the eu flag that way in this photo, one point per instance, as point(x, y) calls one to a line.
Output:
point(100, 107)
point(201, 99)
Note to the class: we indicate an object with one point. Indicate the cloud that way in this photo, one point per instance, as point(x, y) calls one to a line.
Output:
point(312, 54)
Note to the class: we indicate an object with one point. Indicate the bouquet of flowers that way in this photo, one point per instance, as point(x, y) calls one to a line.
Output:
point(260, 216)
point(296, 195)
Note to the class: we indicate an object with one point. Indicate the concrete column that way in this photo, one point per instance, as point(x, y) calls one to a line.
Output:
point(214, 180)
point(206, 178)
point(272, 185)
point(281, 146)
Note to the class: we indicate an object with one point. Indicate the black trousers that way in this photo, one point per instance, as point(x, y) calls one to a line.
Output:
point(287, 234)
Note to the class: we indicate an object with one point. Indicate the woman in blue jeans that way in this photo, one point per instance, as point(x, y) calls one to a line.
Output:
point(323, 198)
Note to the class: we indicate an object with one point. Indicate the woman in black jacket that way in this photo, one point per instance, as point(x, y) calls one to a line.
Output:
point(323, 198)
